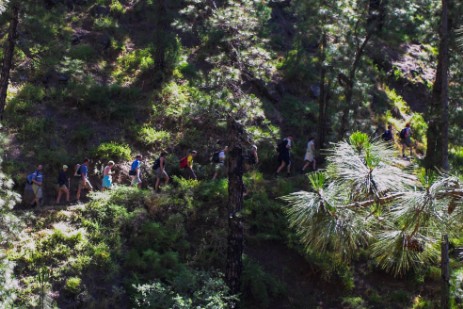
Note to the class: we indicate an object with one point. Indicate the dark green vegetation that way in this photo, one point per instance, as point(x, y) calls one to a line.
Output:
point(108, 79)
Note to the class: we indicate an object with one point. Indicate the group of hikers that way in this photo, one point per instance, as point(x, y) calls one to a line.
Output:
point(36, 179)
point(218, 159)
point(405, 136)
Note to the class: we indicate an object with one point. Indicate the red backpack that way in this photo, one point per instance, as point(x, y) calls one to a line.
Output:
point(183, 162)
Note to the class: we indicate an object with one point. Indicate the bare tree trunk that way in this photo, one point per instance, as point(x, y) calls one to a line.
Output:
point(438, 127)
point(322, 99)
point(8, 56)
point(234, 265)
point(348, 84)
point(445, 273)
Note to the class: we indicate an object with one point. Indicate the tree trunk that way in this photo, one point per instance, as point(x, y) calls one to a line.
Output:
point(438, 127)
point(349, 85)
point(323, 97)
point(8, 56)
point(445, 273)
point(235, 239)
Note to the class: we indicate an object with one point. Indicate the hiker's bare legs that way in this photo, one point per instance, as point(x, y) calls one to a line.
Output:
point(282, 166)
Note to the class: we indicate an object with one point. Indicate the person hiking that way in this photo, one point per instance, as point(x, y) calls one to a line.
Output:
point(218, 159)
point(159, 168)
point(284, 155)
point(186, 163)
point(387, 135)
point(309, 157)
point(107, 182)
point(406, 139)
point(252, 158)
point(135, 171)
point(84, 182)
point(63, 185)
point(36, 180)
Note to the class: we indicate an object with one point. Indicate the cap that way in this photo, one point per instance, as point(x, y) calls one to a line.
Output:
point(65, 166)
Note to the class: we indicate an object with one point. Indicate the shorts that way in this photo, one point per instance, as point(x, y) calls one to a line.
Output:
point(160, 173)
point(107, 181)
point(407, 142)
point(219, 166)
point(85, 184)
point(309, 156)
point(135, 180)
point(38, 193)
point(284, 157)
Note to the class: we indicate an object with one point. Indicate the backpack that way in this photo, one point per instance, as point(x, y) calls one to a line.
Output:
point(157, 164)
point(282, 145)
point(29, 178)
point(183, 162)
point(387, 135)
point(216, 157)
point(251, 159)
point(403, 133)
point(77, 172)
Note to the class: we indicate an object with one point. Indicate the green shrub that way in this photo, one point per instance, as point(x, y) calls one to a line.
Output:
point(73, 285)
point(30, 92)
point(116, 8)
point(206, 290)
point(258, 286)
point(419, 127)
point(353, 303)
point(150, 136)
point(113, 151)
point(106, 23)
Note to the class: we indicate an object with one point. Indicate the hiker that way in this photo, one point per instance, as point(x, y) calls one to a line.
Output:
point(135, 171)
point(309, 157)
point(159, 168)
point(186, 163)
point(36, 180)
point(387, 135)
point(107, 176)
point(84, 182)
point(252, 158)
point(218, 159)
point(284, 155)
point(63, 185)
point(406, 139)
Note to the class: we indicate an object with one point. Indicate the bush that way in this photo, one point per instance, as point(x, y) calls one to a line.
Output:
point(30, 92)
point(113, 151)
point(353, 303)
point(73, 285)
point(150, 136)
point(206, 290)
point(258, 286)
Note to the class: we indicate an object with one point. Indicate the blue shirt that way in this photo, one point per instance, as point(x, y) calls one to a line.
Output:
point(135, 165)
point(37, 176)
point(84, 170)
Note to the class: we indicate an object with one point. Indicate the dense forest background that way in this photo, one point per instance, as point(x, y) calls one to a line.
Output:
point(110, 79)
